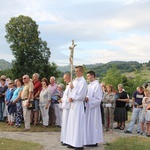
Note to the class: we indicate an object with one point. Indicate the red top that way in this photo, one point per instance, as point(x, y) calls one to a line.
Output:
point(37, 87)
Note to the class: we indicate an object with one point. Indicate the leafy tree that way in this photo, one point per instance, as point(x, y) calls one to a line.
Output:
point(135, 82)
point(148, 64)
point(113, 77)
point(7, 72)
point(30, 52)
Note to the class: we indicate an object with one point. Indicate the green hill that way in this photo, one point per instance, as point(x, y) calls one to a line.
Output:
point(4, 64)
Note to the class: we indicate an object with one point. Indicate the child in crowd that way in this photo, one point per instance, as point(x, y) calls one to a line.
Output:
point(145, 103)
point(147, 116)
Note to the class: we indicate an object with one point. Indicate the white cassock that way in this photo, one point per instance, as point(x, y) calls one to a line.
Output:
point(75, 127)
point(65, 112)
point(93, 123)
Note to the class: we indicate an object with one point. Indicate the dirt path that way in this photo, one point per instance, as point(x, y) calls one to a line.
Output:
point(51, 140)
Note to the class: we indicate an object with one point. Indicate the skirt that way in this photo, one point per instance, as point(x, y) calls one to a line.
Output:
point(120, 114)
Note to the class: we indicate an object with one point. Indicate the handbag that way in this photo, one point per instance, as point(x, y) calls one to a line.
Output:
point(127, 107)
point(31, 105)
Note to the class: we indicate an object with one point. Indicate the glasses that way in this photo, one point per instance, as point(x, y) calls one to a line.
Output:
point(24, 78)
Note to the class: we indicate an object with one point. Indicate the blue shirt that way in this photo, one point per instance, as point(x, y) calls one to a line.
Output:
point(57, 95)
point(16, 92)
point(9, 94)
point(138, 97)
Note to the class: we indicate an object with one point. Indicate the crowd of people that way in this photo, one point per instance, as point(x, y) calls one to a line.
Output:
point(115, 107)
point(69, 107)
point(82, 111)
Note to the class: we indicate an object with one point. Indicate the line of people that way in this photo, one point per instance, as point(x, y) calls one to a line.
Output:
point(115, 107)
point(15, 98)
point(76, 110)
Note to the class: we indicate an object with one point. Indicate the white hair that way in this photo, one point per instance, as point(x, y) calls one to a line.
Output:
point(61, 85)
point(36, 74)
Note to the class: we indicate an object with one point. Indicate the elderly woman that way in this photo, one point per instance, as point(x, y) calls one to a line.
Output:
point(120, 111)
point(44, 102)
point(16, 98)
point(109, 105)
point(58, 94)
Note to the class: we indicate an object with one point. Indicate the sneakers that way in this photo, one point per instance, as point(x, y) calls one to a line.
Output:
point(142, 133)
point(128, 132)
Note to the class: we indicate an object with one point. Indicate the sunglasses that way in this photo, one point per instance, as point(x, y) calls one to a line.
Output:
point(24, 78)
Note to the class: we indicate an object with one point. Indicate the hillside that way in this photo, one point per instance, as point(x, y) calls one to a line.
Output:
point(126, 68)
point(4, 64)
point(145, 71)
point(123, 66)
point(100, 68)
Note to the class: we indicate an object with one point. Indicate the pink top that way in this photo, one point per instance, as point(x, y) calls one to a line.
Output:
point(52, 88)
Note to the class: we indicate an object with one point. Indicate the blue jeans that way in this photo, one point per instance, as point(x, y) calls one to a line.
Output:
point(135, 115)
point(2, 106)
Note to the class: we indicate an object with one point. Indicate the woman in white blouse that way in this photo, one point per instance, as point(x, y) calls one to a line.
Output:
point(44, 103)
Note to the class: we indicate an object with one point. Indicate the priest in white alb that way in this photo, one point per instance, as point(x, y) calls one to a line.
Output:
point(65, 108)
point(75, 127)
point(93, 123)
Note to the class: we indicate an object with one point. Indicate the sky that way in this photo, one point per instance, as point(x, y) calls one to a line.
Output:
point(104, 30)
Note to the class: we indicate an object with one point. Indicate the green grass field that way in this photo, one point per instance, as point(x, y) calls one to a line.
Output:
point(129, 143)
point(9, 144)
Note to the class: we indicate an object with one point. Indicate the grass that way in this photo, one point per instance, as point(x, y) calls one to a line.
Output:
point(144, 70)
point(129, 143)
point(39, 128)
point(7, 144)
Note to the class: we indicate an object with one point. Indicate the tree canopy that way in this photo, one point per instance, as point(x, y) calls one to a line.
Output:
point(30, 51)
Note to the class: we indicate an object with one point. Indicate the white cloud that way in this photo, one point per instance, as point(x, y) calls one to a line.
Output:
point(105, 30)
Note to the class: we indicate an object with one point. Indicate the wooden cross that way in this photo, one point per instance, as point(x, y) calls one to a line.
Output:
point(71, 56)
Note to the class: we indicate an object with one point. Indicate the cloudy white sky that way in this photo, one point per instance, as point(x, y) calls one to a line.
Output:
point(104, 30)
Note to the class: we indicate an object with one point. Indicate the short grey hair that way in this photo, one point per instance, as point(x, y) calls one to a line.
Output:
point(52, 77)
point(27, 76)
point(120, 85)
point(61, 85)
point(36, 74)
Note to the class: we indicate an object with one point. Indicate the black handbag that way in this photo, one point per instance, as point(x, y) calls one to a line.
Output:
point(31, 105)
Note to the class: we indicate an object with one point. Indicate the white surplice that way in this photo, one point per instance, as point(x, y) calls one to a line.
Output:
point(75, 127)
point(65, 112)
point(93, 123)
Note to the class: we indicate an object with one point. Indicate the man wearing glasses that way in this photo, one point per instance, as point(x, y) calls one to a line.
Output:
point(27, 95)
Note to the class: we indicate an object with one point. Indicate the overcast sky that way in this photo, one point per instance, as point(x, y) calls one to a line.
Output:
point(104, 30)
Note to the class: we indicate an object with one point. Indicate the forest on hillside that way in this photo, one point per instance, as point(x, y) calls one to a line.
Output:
point(101, 69)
